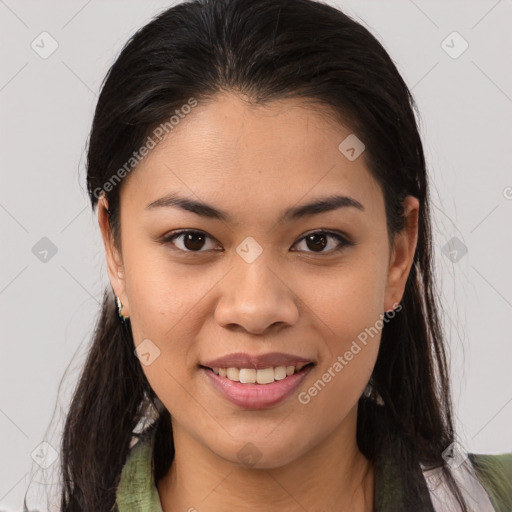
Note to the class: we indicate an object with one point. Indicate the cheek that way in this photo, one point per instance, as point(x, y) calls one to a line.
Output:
point(350, 331)
point(348, 299)
point(167, 307)
point(347, 309)
point(162, 294)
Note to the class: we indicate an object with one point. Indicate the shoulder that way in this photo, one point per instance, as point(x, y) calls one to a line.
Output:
point(495, 474)
point(501, 464)
point(484, 480)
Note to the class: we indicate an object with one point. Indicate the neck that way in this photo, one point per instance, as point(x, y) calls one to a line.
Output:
point(333, 475)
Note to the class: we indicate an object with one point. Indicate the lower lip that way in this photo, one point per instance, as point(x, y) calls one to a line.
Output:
point(257, 396)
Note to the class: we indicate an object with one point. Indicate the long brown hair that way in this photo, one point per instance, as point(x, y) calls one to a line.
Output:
point(268, 50)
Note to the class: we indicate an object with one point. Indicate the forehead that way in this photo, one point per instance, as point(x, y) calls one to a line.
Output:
point(226, 151)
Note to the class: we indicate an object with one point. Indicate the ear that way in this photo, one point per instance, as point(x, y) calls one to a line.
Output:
point(402, 255)
point(114, 260)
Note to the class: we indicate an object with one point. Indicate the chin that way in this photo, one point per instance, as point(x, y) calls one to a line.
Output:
point(260, 452)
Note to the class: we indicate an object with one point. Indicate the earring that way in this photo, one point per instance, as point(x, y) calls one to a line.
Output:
point(120, 309)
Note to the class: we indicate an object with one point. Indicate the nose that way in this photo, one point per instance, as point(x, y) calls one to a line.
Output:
point(255, 297)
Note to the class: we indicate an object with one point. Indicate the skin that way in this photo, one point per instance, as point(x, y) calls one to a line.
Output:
point(296, 298)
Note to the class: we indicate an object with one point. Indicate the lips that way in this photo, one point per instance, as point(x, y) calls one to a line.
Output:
point(256, 396)
point(244, 360)
point(245, 380)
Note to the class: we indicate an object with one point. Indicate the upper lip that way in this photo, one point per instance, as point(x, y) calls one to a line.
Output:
point(243, 360)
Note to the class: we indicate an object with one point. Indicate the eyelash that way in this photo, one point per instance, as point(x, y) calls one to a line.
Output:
point(344, 242)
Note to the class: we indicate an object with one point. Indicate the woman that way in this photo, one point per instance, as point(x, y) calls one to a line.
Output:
point(273, 339)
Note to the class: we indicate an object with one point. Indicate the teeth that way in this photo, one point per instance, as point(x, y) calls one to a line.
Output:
point(280, 373)
point(233, 374)
point(265, 376)
point(262, 376)
point(247, 375)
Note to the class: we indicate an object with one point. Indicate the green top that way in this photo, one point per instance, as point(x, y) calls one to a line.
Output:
point(137, 491)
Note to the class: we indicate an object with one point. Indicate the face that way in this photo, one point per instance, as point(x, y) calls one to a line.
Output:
point(257, 282)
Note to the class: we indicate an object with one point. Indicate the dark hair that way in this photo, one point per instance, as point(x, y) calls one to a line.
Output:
point(264, 50)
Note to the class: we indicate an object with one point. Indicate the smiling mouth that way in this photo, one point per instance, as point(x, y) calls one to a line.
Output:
point(259, 376)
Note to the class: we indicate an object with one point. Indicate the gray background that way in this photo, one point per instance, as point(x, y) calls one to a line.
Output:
point(48, 308)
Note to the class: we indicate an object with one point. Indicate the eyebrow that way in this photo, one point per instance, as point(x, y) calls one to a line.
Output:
point(321, 205)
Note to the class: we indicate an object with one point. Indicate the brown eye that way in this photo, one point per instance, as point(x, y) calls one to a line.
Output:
point(319, 240)
point(191, 241)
